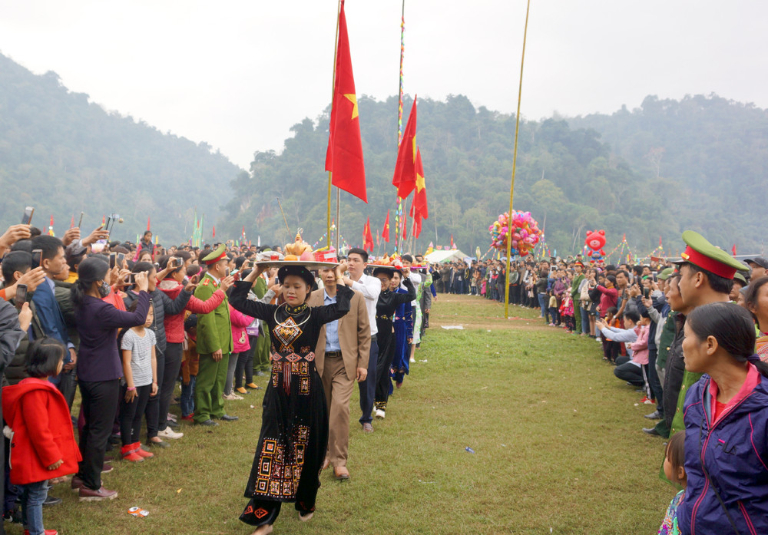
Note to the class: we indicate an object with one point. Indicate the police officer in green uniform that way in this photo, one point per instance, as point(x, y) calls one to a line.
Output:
point(706, 276)
point(214, 344)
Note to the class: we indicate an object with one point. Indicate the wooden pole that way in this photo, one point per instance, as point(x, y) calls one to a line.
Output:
point(338, 220)
point(514, 166)
point(284, 219)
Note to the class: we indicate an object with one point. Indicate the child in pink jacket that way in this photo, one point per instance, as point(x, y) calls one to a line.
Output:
point(240, 348)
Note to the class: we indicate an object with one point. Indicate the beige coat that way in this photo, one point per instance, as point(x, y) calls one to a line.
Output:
point(354, 335)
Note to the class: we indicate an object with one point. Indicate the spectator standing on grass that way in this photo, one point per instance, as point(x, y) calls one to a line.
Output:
point(139, 382)
point(43, 443)
point(214, 344)
point(706, 276)
point(99, 368)
point(576, 286)
point(726, 425)
point(674, 469)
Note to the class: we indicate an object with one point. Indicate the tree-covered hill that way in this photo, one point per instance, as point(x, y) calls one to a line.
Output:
point(63, 154)
point(567, 176)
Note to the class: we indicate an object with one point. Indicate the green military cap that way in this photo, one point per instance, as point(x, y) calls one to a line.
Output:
point(218, 253)
point(665, 274)
point(741, 278)
point(703, 254)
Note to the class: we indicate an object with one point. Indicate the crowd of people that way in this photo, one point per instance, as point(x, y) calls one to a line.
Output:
point(125, 323)
point(692, 337)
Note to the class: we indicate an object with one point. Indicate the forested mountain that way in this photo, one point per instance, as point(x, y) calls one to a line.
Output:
point(651, 172)
point(63, 154)
point(714, 150)
point(569, 178)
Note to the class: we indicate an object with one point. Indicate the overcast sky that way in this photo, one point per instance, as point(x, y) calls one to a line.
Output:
point(238, 74)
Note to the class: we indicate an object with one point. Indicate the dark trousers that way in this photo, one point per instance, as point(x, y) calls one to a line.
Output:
point(172, 367)
point(99, 405)
point(611, 350)
point(131, 413)
point(244, 366)
point(68, 385)
point(152, 412)
point(653, 380)
point(628, 371)
point(368, 387)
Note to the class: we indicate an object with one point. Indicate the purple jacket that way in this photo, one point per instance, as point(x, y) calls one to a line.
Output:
point(730, 457)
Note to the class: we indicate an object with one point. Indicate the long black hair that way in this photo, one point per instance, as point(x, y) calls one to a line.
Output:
point(90, 270)
point(732, 326)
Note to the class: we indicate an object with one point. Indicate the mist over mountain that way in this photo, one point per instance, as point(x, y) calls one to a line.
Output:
point(649, 172)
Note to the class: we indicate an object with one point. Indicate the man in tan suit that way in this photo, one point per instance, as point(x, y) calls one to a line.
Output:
point(341, 357)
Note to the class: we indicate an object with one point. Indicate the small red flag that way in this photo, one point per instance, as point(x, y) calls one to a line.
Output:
point(367, 236)
point(405, 229)
point(72, 223)
point(214, 231)
point(405, 168)
point(148, 218)
point(734, 249)
point(344, 157)
point(452, 241)
point(385, 233)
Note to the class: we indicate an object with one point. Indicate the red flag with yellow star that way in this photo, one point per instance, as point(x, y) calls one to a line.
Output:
point(367, 236)
point(419, 207)
point(385, 233)
point(344, 158)
point(405, 168)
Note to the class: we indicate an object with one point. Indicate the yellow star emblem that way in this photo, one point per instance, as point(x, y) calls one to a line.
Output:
point(420, 185)
point(353, 99)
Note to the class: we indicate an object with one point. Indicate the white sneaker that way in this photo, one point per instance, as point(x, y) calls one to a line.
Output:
point(380, 414)
point(412, 360)
point(231, 397)
point(169, 433)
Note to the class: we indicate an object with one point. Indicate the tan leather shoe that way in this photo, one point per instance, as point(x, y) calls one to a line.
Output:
point(341, 473)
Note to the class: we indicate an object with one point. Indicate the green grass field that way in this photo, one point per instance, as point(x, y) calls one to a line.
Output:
point(557, 439)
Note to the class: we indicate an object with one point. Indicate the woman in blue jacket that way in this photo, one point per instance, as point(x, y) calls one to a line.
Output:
point(726, 425)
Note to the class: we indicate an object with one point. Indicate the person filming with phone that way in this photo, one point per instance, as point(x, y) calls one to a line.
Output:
point(100, 367)
point(48, 253)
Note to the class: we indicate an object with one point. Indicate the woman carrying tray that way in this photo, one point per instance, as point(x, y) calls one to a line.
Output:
point(294, 430)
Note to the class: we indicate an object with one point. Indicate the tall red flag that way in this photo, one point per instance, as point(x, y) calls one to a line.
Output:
point(405, 168)
point(734, 249)
point(214, 231)
point(405, 229)
point(385, 233)
point(344, 157)
point(417, 226)
point(367, 236)
point(419, 207)
point(148, 218)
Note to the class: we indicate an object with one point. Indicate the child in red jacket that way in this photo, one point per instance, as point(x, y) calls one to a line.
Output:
point(43, 443)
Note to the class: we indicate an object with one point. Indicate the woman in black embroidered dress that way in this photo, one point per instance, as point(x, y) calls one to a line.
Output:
point(385, 309)
point(294, 428)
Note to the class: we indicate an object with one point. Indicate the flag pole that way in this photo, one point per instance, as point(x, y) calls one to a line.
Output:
point(514, 166)
point(284, 219)
point(338, 220)
point(399, 202)
point(333, 91)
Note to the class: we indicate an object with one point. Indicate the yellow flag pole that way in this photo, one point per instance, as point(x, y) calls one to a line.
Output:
point(333, 90)
point(514, 166)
